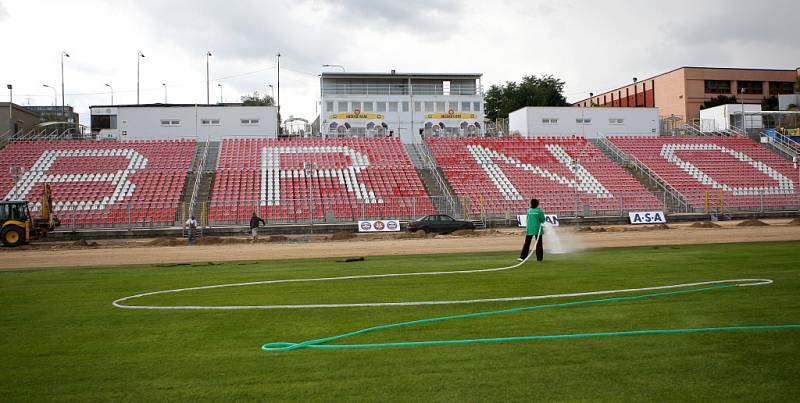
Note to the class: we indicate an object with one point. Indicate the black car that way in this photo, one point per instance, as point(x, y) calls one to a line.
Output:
point(439, 223)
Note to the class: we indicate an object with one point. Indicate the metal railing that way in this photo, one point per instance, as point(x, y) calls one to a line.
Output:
point(430, 164)
point(397, 89)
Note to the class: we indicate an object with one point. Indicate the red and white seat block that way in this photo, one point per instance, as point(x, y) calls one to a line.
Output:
point(744, 173)
point(564, 173)
point(99, 182)
point(293, 179)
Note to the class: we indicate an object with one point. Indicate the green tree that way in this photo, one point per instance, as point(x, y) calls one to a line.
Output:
point(769, 104)
point(255, 99)
point(500, 100)
point(719, 100)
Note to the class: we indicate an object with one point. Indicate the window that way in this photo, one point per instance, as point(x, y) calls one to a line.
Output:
point(428, 106)
point(342, 106)
point(405, 106)
point(392, 107)
point(549, 121)
point(209, 122)
point(616, 121)
point(418, 106)
point(250, 122)
point(751, 87)
point(583, 121)
point(465, 106)
point(368, 106)
point(170, 122)
point(355, 105)
point(452, 106)
point(381, 107)
point(781, 87)
point(329, 106)
point(476, 106)
point(440, 106)
point(718, 86)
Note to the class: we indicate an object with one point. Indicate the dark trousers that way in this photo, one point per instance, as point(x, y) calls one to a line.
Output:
point(526, 248)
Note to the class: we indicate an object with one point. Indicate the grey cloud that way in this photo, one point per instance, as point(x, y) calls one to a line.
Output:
point(412, 16)
point(3, 12)
point(718, 22)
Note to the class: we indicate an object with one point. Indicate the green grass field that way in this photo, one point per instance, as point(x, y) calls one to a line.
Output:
point(63, 340)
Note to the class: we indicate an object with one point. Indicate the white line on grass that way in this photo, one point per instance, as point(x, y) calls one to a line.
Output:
point(120, 302)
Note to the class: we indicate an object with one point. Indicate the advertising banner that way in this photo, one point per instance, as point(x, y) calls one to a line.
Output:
point(647, 217)
point(379, 226)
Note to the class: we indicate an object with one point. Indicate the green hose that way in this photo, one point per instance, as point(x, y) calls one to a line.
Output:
point(322, 343)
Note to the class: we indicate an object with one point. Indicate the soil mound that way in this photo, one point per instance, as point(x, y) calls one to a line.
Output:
point(796, 221)
point(655, 227)
point(704, 224)
point(342, 236)
point(465, 233)
point(167, 242)
point(413, 235)
point(277, 238)
point(82, 243)
point(752, 223)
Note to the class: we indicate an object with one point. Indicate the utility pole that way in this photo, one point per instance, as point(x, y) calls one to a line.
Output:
point(112, 93)
point(138, 56)
point(208, 88)
point(10, 110)
point(63, 111)
point(165, 92)
point(279, 93)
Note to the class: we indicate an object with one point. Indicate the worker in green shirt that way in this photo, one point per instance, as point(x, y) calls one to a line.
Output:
point(535, 219)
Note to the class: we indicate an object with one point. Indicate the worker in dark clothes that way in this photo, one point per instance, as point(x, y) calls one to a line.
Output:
point(535, 220)
point(254, 220)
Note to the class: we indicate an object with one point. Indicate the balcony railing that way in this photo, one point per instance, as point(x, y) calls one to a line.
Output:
point(397, 89)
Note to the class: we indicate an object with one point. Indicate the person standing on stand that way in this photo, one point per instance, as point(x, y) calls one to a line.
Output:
point(254, 220)
point(535, 220)
point(192, 224)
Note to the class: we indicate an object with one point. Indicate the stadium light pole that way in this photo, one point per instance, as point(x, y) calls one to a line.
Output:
point(278, 102)
point(334, 65)
point(741, 92)
point(272, 92)
point(10, 102)
point(112, 92)
point(139, 56)
point(55, 94)
point(165, 92)
point(220, 92)
point(208, 80)
point(63, 110)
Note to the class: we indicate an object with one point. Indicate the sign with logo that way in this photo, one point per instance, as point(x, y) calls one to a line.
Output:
point(356, 114)
point(379, 226)
point(551, 219)
point(647, 217)
point(451, 114)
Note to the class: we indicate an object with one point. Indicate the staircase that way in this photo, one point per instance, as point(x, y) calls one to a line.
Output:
point(784, 145)
point(199, 180)
point(438, 189)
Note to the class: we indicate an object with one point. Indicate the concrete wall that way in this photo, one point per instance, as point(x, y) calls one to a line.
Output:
point(785, 100)
point(563, 121)
point(21, 119)
point(133, 122)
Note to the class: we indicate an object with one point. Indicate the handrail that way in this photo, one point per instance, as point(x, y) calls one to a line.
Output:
point(200, 166)
point(430, 164)
point(669, 189)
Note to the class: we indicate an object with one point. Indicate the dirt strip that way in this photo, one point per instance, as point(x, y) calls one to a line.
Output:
point(107, 253)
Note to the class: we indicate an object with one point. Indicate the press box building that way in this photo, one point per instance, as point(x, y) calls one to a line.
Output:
point(407, 105)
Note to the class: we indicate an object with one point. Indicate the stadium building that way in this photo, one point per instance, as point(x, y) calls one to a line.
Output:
point(407, 105)
point(177, 121)
point(680, 93)
point(558, 121)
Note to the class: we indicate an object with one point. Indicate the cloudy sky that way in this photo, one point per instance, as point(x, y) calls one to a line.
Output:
point(592, 45)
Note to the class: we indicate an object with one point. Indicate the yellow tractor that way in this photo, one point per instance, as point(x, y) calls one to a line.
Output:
point(18, 227)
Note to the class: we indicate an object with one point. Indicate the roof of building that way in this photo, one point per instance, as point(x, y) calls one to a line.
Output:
point(4, 106)
point(160, 105)
point(347, 74)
